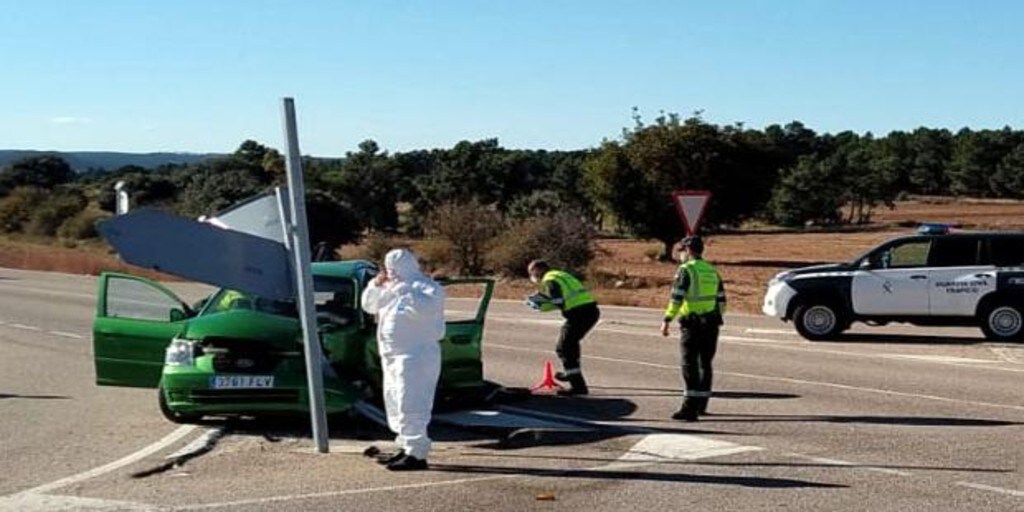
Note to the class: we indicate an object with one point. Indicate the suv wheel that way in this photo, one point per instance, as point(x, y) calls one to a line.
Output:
point(1002, 322)
point(176, 417)
point(819, 321)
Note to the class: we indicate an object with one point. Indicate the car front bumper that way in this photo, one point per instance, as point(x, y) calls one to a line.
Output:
point(777, 299)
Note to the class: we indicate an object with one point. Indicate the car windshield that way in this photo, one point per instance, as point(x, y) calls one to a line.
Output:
point(331, 293)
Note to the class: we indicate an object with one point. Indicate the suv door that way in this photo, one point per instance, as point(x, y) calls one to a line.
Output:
point(958, 279)
point(135, 321)
point(894, 280)
point(466, 306)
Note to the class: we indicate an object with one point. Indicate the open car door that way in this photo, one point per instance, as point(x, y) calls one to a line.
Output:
point(466, 305)
point(135, 321)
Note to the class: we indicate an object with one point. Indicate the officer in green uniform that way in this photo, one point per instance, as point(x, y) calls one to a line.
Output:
point(698, 301)
point(560, 290)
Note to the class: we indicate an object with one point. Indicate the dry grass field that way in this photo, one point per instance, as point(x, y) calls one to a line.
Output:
point(624, 272)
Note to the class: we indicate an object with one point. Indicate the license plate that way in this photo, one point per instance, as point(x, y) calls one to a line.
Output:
point(241, 381)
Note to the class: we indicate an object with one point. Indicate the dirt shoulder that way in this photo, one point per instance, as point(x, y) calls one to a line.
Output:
point(624, 272)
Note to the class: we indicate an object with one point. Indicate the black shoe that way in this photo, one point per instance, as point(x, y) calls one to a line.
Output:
point(685, 414)
point(408, 463)
point(386, 459)
point(561, 376)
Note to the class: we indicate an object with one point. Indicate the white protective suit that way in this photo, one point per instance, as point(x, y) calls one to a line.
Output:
point(410, 324)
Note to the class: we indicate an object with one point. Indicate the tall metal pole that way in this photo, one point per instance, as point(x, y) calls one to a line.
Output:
point(304, 276)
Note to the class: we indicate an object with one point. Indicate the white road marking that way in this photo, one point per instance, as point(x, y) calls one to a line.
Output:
point(202, 442)
point(940, 359)
point(33, 502)
point(1010, 355)
point(168, 440)
point(781, 379)
point(673, 447)
point(1000, 490)
point(66, 334)
point(335, 494)
point(843, 463)
point(751, 330)
point(26, 327)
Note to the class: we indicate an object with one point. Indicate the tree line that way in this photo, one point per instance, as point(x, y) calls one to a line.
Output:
point(784, 174)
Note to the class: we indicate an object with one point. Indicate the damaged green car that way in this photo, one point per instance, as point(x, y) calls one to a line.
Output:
point(239, 354)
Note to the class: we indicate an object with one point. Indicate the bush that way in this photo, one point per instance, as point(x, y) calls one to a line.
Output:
point(49, 216)
point(375, 246)
point(469, 229)
point(82, 226)
point(16, 209)
point(563, 240)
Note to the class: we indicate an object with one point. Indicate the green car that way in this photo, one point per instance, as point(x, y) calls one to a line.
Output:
point(238, 354)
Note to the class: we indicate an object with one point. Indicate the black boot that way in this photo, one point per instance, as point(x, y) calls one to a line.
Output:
point(408, 463)
point(577, 386)
point(686, 413)
point(386, 458)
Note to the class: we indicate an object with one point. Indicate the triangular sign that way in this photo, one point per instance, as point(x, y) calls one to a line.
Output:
point(691, 205)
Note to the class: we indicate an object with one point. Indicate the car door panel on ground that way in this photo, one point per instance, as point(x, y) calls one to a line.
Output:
point(135, 321)
point(895, 282)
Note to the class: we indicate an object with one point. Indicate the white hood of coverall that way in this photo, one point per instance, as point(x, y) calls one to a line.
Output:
point(410, 317)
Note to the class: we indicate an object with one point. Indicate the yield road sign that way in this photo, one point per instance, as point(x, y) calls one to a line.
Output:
point(691, 205)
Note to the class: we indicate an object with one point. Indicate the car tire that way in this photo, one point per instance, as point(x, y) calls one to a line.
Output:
point(819, 321)
point(176, 417)
point(1002, 321)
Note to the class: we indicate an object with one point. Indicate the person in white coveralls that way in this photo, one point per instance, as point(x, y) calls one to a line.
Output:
point(410, 324)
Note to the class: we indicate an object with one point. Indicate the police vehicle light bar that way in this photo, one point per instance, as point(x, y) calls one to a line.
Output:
point(935, 228)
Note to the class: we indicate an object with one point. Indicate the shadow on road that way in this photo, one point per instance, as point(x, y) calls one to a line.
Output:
point(910, 421)
point(755, 464)
point(603, 474)
point(908, 339)
point(34, 397)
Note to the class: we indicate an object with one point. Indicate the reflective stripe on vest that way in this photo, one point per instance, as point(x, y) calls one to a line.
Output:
point(573, 292)
point(702, 295)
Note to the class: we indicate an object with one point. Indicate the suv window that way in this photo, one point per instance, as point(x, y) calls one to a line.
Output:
point(905, 255)
point(954, 252)
point(1006, 251)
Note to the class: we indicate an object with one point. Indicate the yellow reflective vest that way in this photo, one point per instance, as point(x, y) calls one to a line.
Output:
point(574, 294)
point(697, 291)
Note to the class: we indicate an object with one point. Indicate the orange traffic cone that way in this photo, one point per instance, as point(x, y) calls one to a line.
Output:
point(548, 383)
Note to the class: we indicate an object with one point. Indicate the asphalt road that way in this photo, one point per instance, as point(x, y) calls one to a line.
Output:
point(895, 418)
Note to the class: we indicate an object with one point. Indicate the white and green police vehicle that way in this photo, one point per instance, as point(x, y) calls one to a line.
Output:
point(937, 278)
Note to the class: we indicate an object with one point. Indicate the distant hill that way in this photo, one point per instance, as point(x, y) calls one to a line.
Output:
point(82, 161)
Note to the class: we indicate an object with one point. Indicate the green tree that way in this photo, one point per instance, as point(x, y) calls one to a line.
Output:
point(811, 191)
point(1008, 180)
point(366, 181)
point(45, 172)
point(632, 180)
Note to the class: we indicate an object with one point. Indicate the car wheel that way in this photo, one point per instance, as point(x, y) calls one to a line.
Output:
point(176, 417)
point(1002, 322)
point(819, 321)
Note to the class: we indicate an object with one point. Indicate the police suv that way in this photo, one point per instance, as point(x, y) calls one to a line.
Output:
point(936, 277)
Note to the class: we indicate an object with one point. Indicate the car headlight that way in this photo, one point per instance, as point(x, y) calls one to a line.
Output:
point(781, 277)
point(181, 352)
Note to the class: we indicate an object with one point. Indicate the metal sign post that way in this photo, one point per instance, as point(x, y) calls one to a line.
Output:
point(299, 246)
point(691, 205)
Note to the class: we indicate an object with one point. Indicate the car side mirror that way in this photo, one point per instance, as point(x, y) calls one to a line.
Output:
point(178, 315)
point(865, 264)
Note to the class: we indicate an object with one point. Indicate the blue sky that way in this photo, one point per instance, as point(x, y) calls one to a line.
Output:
point(201, 76)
